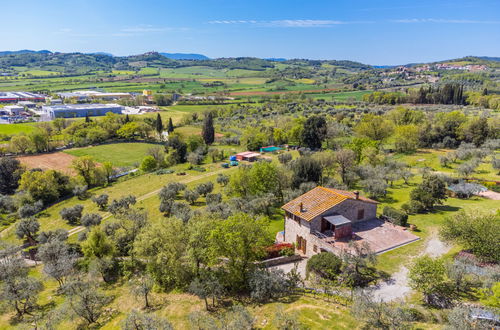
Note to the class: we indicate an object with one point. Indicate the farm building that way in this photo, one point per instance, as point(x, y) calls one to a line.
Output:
point(248, 156)
point(15, 97)
point(325, 219)
point(80, 110)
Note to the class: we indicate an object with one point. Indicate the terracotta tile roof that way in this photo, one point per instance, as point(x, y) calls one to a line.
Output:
point(318, 200)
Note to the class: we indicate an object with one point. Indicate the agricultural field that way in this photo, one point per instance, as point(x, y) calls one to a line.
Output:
point(119, 154)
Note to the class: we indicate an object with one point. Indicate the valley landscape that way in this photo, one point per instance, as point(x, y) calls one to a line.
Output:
point(181, 191)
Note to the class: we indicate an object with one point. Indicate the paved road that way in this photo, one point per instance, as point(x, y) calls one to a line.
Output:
point(150, 194)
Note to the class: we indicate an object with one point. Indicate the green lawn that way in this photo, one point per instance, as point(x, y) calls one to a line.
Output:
point(119, 154)
point(13, 129)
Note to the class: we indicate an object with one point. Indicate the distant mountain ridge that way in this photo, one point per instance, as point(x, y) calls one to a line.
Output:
point(488, 58)
point(185, 56)
point(24, 51)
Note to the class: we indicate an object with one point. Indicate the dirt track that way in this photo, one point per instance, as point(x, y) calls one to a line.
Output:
point(54, 161)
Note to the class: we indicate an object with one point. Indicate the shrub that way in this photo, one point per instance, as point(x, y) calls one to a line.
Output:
point(395, 216)
point(29, 210)
point(413, 207)
point(270, 284)
point(80, 191)
point(148, 164)
point(325, 264)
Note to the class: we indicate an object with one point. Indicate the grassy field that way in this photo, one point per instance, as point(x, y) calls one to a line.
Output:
point(119, 154)
point(13, 129)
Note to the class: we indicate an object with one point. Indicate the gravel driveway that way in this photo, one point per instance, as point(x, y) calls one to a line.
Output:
point(396, 287)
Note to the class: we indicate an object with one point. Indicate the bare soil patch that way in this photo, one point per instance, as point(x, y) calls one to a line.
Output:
point(491, 195)
point(54, 161)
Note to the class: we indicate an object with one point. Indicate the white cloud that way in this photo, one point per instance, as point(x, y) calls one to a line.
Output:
point(440, 20)
point(314, 23)
point(294, 23)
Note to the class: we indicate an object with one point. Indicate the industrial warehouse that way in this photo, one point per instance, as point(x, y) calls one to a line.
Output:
point(80, 110)
point(15, 97)
point(93, 95)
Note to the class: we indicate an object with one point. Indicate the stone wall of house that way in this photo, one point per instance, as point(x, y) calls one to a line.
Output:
point(314, 243)
point(293, 228)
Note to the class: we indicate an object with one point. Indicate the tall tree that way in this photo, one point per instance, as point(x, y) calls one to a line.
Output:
point(241, 239)
point(10, 173)
point(208, 131)
point(85, 166)
point(158, 124)
point(374, 127)
point(170, 127)
point(314, 132)
point(163, 246)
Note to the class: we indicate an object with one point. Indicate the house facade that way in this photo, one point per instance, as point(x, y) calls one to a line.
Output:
point(322, 215)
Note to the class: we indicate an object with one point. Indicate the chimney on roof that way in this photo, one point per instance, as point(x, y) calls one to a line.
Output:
point(356, 194)
point(301, 207)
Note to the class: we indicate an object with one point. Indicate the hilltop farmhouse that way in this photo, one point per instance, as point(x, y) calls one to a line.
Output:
point(325, 219)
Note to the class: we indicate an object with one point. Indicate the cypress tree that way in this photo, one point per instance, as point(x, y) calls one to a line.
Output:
point(127, 119)
point(159, 124)
point(170, 127)
point(208, 131)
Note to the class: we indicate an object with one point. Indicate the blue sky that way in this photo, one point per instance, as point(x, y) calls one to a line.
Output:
point(369, 31)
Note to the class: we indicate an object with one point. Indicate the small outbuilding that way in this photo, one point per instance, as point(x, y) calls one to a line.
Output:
point(338, 225)
point(249, 156)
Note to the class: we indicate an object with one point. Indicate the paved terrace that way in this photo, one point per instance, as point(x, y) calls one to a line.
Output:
point(381, 236)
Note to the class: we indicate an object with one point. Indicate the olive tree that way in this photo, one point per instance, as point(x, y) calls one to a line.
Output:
point(142, 287)
point(101, 201)
point(72, 214)
point(28, 228)
point(86, 300)
point(91, 219)
point(139, 321)
point(58, 261)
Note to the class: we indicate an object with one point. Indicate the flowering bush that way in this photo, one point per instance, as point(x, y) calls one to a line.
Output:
point(281, 249)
